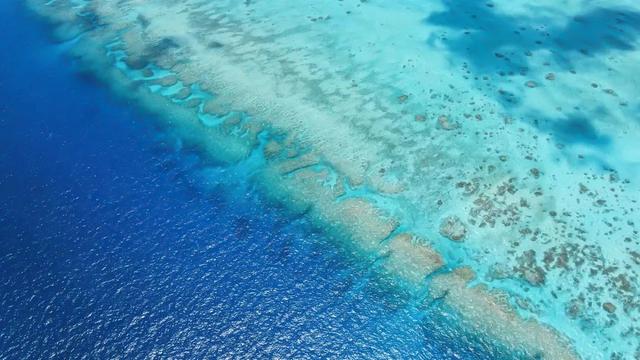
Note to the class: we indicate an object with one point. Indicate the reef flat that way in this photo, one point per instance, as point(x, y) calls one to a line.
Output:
point(482, 152)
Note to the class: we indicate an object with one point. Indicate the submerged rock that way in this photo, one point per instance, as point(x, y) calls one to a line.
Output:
point(609, 307)
point(498, 272)
point(534, 276)
point(574, 308)
point(184, 93)
point(192, 103)
point(147, 72)
point(453, 228)
point(136, 62)
point(535, 172)
point(445, 124)
point(167, 81)
point(272, 149)
point(529, 270)
point(413, 259)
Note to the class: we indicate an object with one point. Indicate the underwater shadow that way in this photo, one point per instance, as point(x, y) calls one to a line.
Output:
point(494, 42)
point(575, 129)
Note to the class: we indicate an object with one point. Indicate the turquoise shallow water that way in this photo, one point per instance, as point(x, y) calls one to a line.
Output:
point(480, 156)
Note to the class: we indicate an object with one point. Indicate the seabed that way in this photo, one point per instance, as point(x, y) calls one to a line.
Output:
point(483, 153)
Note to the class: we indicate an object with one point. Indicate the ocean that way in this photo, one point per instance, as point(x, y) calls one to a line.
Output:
point(119, 241)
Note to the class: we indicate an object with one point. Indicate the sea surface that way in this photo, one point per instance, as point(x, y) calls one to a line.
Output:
point(116, 241)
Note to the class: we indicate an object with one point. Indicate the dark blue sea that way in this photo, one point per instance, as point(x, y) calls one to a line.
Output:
point(113, 246)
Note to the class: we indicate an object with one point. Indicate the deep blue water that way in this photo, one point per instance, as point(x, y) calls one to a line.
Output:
point(111, 245)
